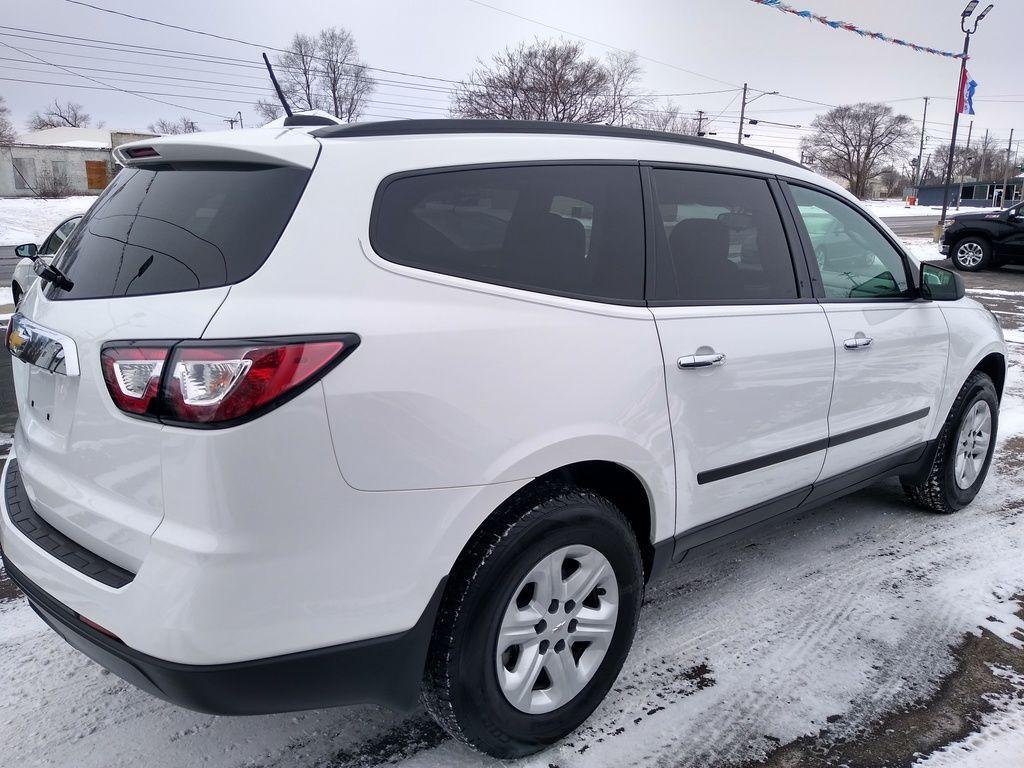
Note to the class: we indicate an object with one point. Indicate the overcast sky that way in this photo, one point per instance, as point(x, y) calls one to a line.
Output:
point(687, 46)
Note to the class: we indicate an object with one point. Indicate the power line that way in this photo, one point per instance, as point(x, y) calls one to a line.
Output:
point(596, 42)
point(115, 88)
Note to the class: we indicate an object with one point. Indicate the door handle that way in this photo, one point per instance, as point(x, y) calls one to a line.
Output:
point(700, 361)
point(858, 342)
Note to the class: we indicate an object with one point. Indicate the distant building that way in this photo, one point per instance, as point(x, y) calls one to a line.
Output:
point(976, 194)
point(60, 161)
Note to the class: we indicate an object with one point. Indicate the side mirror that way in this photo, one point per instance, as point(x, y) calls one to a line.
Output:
point(939, 284)
point(26, 251)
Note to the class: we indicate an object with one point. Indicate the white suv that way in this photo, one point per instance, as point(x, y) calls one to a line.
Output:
point(413, 410)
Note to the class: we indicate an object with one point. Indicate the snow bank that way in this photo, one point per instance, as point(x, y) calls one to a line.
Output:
point(888, 209)
point(922, 248)
point(30, 219)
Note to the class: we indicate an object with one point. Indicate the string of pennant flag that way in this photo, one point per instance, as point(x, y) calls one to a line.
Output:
point(835, 24)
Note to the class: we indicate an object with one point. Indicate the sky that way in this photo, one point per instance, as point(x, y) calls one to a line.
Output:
point(687, 47)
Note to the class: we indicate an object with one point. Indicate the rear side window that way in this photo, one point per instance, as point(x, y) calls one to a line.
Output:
point(719, 238)
point(182, 227)
point(572, 229)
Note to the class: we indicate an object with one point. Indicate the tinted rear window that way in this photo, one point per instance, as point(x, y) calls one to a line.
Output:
point(569, 229)
point(170, 228)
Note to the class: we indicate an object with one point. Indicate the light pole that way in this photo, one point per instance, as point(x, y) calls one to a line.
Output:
point(956, 108)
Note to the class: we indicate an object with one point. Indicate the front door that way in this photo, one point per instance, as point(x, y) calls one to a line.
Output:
point(748, 356)
point(891, 347)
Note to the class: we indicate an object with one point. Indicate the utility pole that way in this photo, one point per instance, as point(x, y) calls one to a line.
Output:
point(743, 114)
point(700, 122)
point(1006, 170)
point(967, 154)
point(984, 157)
point(743, 108)
point(956, 103)
point(920, 152)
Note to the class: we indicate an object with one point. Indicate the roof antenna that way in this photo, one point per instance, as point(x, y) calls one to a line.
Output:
point(280, 93)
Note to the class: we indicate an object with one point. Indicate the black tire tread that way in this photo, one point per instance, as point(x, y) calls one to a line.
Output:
point(930, 494)
point(437, 691)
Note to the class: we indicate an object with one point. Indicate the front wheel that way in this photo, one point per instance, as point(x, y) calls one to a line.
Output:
point(963, 450)
point(972, 254)
point(536, 622)
point(16, 294)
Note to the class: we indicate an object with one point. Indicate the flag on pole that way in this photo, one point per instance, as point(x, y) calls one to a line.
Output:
point(965, 99)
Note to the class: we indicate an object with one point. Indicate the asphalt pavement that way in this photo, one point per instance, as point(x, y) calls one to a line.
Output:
point(912, 226)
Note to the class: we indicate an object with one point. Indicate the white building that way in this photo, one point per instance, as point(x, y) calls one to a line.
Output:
point(60, 161)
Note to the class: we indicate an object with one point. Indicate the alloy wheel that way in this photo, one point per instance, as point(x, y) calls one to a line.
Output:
point(970, 254)
point(972, 444)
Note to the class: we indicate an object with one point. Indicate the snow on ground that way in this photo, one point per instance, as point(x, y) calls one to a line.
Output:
point(1000, 742)
point(30, 219)
point(892, 208)
point(922, 248)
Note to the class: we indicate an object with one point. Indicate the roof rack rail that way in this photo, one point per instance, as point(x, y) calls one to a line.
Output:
point(437, 126)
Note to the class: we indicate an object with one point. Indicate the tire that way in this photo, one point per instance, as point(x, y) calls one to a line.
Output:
point(462, 686)
point(972, 254)
point(942, 490)
point(16, 294)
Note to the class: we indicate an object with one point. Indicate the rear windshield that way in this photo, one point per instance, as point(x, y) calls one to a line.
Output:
point(181, 227)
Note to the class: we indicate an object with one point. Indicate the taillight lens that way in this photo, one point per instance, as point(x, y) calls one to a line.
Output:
point(133, 375)
point(216, 384)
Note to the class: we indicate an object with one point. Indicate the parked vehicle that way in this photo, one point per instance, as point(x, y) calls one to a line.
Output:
point(24, 274)
point(415, 410)
point(977, 241)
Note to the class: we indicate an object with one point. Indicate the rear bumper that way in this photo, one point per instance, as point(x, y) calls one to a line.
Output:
point(384, 670)
point(944, 249)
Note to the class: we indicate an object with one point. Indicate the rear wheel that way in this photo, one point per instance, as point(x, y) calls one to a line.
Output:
point(972, 254)
point(536, 622)
point(963, 451)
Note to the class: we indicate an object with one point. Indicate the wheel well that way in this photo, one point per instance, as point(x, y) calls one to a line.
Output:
point(994, 365)
point(977, 234)
point(621, 487)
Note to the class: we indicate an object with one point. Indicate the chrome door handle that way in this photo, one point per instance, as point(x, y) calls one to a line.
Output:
point(700, 361)
point(858, 342)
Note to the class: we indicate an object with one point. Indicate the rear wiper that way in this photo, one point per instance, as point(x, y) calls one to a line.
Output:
point(52, 274)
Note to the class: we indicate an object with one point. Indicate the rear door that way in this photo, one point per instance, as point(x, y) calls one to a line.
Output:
point(891, 347)
point(747, 352)
point(153, 259)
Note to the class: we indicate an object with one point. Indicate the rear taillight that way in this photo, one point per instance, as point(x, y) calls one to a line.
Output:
point(133, 375)
point(216, 384)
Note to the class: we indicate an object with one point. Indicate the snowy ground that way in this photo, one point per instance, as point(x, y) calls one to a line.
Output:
point(893, 208)
point(813, 636)
point(30, 219)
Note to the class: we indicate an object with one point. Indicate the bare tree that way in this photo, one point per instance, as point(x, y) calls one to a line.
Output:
point(626, 104)
point(183, 124)
point(666, 118)
point(267, 109)
point(321, 71)
point(551, 80)
point(855, 142)
point(298, 73)
point(70, 114)
point(982, 162)
point(7, 134)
